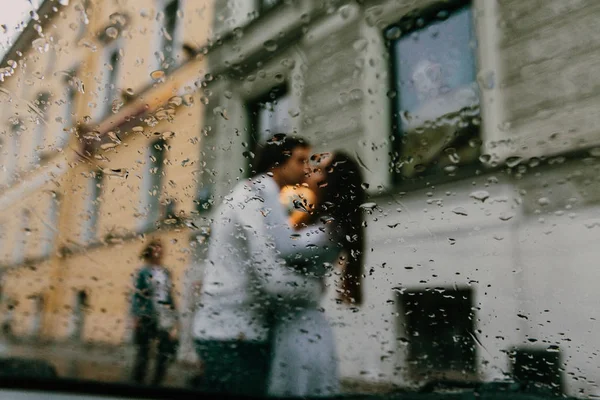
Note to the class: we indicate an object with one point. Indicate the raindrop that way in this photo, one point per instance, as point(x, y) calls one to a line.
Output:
point(138, 129)
point(175, 101)
point(112, 32)
point(450, 169)
point(129, 91)
point(113, 136)
point(420, 168)
point(513, 161)
point(228, 94)
point(157, 75)
point(270, 45)
point(117, 18)
point(168, 135)
point(505, 216)
point(87, 119)
point(393, 33)
point(345, 11)
point(553, 348)
point(368, 206)
point(391, 93)
point(534, 162)
point(360, 44)
point(543, 201)
point(460, 211)
point(481, 195)
point(595, 152)
point(365, 186)
point(188, 100)
point(487, 79)
point(107, 146)
point(522, 316)
point(41, 45)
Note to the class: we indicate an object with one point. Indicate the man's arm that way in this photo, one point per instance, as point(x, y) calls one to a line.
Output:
point(273, 274)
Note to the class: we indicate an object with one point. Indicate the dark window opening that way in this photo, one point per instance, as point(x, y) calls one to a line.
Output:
point(112, 92)
point(169, 30)
point(435, 98)
point(439, 324)
point(267, 115)
point(538, 367)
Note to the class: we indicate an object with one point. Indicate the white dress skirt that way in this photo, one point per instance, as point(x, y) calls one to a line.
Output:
point(304, 361)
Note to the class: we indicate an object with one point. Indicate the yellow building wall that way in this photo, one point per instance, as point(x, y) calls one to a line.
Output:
point(102, 269)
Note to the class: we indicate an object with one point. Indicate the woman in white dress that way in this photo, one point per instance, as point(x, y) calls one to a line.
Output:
point(304, 361)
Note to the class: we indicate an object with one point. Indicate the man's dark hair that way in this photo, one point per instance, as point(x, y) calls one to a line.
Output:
point(276, 151)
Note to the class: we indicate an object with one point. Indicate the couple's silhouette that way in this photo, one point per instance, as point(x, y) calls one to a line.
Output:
point(259, 329)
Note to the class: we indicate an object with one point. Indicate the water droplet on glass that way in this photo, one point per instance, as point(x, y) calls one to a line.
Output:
point(595, 152)
point(485, 158)
point(486, 79)
point(228, 94)
point(270, 45)
point(168, 135)
point(534, 162)
point(41, 45)
point(157, 75)
point(360, 44)
point(420, 168)
point(87, 119)
point(513, 161)
point(106, 146)
point(112, 32)
point(543, 201)
point(481, 195)
point(188, 100)
point(113, 136)
point(175, 101)
point(506, 216)
point(393, 33)
point(368, 206)
point(345, 11)
point(460, 211)
point(129, 91)
point(138, 129)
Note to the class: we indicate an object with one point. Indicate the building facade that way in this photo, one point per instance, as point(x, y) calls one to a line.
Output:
point(102, 117)
point(475, 123)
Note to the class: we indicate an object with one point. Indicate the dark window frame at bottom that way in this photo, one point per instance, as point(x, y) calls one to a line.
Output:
point(429, 302)
point(416, 21)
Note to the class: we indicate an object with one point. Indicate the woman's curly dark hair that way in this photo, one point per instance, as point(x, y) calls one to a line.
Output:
point(342, 198)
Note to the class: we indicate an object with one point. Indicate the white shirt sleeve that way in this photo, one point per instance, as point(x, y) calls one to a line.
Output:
point(272, 273)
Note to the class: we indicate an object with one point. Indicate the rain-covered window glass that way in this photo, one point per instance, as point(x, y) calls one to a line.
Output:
point(40, 112)
point(50, 224)
point(439, 327)
point(152, 184)
point(269, 114)
point(89, 226)
point(21, 237)
point(436, 102)
point(169, 31)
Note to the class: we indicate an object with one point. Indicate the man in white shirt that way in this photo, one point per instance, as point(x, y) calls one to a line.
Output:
point(231, 327)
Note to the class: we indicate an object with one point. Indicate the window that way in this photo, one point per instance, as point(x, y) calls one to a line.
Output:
point(168, 32)
point(268, 115)
point(91, 207)
point(152, 184)
point(435, 98)
point(538, 366)
point(440, 332)
point(78, 317)
point(14, 150)
point(41, 104)
point(50, 223)
point(72, 86)
point(112, 92)
point(21, 237)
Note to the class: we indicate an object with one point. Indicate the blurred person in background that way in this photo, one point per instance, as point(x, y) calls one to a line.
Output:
point(154, 314)
point(304, 361)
